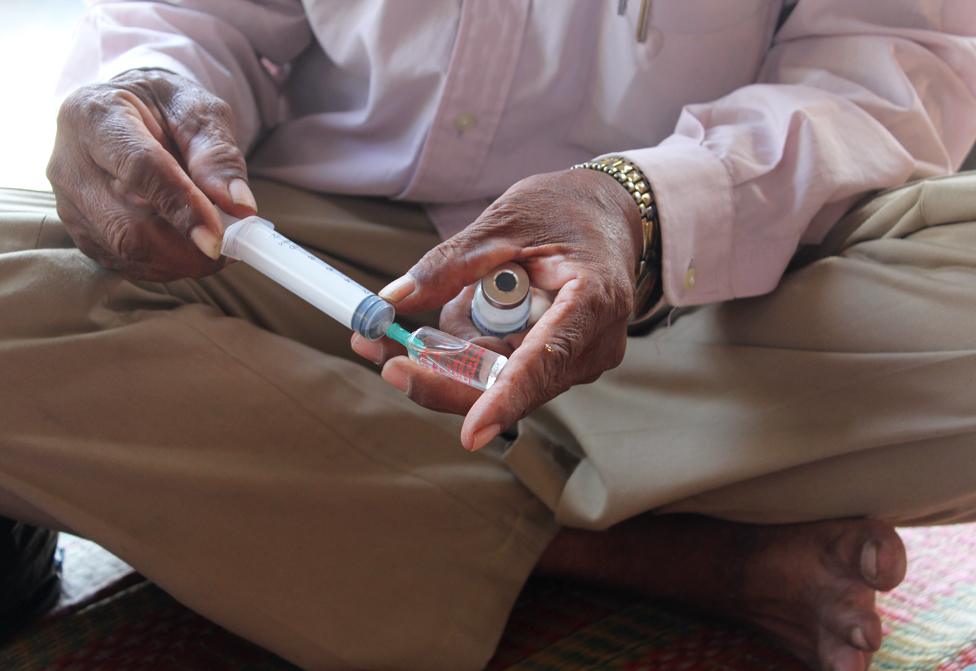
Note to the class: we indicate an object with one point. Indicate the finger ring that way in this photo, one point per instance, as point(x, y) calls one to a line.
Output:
point(550, 348)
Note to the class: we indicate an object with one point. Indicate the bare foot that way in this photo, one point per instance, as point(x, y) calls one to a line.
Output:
point(811, 586)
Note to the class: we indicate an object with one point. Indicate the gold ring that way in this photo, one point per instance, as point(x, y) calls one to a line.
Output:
point(550, 348)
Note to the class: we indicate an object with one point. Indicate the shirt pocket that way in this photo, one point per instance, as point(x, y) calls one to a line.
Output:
point(694, 51)
point(696, 17)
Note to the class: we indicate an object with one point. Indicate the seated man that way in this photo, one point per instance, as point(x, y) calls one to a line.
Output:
point(745, 457)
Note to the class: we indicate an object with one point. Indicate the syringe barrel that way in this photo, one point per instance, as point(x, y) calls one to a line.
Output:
point(254, 241)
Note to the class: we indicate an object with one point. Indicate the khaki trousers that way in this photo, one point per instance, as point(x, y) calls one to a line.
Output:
point(219, 435)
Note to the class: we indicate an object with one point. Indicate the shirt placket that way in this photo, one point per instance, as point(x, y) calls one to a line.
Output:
point(476, 88)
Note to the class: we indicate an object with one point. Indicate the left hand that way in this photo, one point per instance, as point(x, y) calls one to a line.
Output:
point(578, 235)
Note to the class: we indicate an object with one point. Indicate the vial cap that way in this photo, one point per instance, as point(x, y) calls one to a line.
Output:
point(507, 286)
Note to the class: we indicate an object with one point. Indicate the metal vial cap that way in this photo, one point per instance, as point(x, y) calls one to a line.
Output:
point(506, 287)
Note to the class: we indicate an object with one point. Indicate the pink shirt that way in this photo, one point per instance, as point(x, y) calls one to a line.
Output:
point(754, 143)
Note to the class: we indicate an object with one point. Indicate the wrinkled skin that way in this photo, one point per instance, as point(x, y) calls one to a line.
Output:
point(138, 164)
point(578, 235)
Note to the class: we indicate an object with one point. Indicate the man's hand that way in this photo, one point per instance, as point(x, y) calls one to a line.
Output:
point(578, 235)
point(138, 163)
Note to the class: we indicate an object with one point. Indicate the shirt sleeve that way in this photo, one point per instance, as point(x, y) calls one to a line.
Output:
point(852, 97)
point(233, 48)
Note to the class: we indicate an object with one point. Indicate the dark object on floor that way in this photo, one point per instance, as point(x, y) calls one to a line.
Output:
point(30, 579)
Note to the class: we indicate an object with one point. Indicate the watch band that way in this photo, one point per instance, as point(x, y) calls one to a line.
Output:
point(648, 285)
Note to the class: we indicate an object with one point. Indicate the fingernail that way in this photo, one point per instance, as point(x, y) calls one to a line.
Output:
point(398, 289)
point(858, 639)
point(869, 561)
point(241, 194)
point(366, 349)
point(355, 342)
point(483, 436)
point(396, 376)
point(206, 241)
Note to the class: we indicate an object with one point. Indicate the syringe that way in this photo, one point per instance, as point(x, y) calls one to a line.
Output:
point(254, 241)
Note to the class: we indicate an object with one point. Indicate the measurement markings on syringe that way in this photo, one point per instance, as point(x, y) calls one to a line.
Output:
point(284, 242)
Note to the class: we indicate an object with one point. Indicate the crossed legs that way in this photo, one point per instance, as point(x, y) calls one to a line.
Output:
point(214, 435)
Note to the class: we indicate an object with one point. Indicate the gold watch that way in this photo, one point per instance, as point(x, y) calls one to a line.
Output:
point(648, 284)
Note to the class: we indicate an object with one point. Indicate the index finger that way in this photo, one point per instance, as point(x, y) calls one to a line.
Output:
point(443, 272)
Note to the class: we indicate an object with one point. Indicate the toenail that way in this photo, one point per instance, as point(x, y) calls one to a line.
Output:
point(858, 639)
point(869, 560)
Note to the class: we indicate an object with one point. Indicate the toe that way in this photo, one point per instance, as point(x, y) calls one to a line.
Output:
point(855, 626)
point(836, 655)
point(878, 556)
point(892, 562)
point(882, 559)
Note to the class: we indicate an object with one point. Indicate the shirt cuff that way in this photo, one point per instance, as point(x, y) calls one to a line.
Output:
point(693, 192)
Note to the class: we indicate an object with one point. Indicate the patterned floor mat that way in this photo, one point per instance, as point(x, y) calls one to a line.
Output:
point(115, 620)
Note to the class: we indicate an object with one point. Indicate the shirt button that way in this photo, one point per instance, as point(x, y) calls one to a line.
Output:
point(690, 279)
point(465, 121)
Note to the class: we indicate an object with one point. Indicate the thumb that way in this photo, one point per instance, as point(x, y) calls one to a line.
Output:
point(447, 269)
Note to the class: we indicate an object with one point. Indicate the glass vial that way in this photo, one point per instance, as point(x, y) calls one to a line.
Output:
point(451, 356)
point(502, 301)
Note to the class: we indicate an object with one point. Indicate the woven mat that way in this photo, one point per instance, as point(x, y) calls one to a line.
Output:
point(131, 624)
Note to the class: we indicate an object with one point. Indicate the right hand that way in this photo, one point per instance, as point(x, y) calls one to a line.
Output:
point(138, 164)
point(578, 234)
